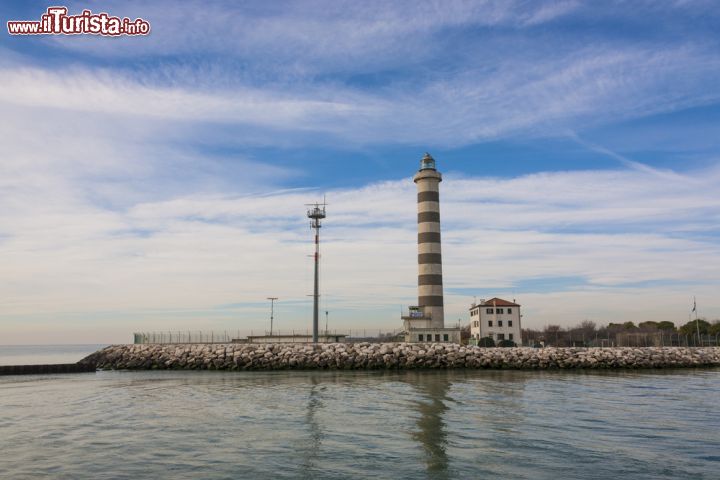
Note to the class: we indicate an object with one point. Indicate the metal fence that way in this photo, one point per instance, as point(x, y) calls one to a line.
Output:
point(230, 336)
point(666, 340)
point(625, 339)
point(184, 337)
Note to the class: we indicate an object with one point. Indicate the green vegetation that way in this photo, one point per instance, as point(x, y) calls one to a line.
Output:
point(714, 328)
point(645, 333)
point(690, 328)
point(486, 342)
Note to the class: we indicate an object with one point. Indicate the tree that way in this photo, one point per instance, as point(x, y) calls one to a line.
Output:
point(665, 325)
point(553, 335)
point(465, 334)
point(648, 325)
point(629, 326)
point(531, 336)
point(588, 327)
point(691, 328)
point(714, 328)
point(486, 342)
point(506, 344)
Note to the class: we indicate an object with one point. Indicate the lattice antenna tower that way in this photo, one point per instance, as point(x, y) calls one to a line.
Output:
point(316, 213)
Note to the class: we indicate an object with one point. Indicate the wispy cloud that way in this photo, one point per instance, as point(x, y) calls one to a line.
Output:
point(136, 185)
point(197, 252)
point(582, 90)
point(440, 73)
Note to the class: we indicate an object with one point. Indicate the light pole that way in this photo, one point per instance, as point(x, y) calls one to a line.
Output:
point(272, 311)
point(326, 324)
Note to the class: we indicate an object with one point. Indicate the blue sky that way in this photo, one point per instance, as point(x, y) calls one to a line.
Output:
point(158, 182)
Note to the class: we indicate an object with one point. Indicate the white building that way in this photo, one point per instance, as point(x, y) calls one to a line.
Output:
point(496, 318)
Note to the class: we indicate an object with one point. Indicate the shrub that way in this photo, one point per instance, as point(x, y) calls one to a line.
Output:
point(486, 342)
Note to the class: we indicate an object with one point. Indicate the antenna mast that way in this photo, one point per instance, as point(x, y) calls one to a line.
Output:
point(315, 213)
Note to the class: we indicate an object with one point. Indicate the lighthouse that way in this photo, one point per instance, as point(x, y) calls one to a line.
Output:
point(425, 322)
point(430, 285)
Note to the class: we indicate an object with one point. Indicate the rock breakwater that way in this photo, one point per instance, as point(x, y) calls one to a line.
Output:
point(368, 356)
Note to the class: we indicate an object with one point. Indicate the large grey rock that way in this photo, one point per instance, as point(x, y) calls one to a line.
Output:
point(393, 356)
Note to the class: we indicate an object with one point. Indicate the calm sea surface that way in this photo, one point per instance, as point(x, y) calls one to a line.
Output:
point(262, 425)
point(44, 354)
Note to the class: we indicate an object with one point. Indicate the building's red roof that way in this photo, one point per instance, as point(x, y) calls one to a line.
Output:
point(498, 302)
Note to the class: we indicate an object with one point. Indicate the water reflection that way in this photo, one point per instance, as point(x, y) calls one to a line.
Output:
point(312, 449)
point(357, 425)
point(431, 432)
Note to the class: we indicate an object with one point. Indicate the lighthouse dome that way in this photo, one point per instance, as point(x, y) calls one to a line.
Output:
point(427, 162)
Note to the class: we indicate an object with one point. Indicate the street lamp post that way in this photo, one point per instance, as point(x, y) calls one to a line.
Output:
point(272, 311)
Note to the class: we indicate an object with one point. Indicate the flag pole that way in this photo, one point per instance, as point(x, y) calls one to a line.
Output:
point(697, 325)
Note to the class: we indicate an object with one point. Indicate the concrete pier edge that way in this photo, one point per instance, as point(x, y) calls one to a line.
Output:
point(47, 369)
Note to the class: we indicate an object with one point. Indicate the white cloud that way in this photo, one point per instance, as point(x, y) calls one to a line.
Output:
point(550, 12)
point(310, 36)
point(170, 263)
point(113, 221)
point(565, 93)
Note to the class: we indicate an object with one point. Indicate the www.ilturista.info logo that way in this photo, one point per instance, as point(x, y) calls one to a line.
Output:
point(56, 21)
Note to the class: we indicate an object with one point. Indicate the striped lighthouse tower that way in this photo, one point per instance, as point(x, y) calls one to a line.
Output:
point(430, 285)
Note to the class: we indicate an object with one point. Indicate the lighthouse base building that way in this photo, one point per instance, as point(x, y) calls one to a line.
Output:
point(418, 328)
point(425, 322)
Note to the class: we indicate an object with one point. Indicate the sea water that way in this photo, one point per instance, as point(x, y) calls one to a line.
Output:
point(44, 354)
point(359, 425)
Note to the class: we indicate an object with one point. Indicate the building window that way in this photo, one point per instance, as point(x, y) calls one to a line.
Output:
point(437, 337)
point(489, 323)
point(499, 323)
point(420, 337)
point(501, 336)
point(509, 323)
point(509, 310)
point(488, 310)
point(445, 337)
point(498, 310)
point(510, 336)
